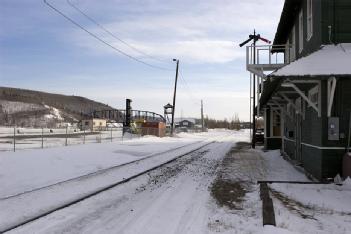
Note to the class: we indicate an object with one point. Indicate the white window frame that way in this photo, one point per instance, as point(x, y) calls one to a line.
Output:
point(293, 45)
point(298, 105)
point(287, 51)
point(311, 92)
point(301, 31)
point(290, 110)
point(303, 109)
point(274, 113)
point(309, 19)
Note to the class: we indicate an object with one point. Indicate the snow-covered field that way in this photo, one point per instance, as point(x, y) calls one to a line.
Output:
point(176, 198)
point(30, 138)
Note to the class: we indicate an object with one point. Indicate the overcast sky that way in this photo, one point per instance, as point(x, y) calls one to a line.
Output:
point(41, 50)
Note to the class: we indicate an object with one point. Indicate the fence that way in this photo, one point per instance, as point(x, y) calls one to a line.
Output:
point(12, 138)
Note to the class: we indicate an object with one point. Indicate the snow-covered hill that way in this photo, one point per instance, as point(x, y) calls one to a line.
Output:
point(29, 108)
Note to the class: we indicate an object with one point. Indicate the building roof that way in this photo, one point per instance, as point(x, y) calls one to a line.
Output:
point(269, 86)
point(177, 120)
point(290, 10)
point(329, 60)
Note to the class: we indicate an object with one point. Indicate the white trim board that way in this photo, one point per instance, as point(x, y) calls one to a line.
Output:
point(287, 139)
point(323, 148)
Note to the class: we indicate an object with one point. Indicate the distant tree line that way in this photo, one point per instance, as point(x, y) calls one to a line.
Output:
point(233, 123)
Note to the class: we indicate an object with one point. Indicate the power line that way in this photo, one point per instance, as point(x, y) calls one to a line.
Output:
point(101, 40)
point(112, 34)
point(188, 90)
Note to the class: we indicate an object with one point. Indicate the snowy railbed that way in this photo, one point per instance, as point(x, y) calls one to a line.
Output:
point(31, 169)
point(176, 198)
point(28, 169)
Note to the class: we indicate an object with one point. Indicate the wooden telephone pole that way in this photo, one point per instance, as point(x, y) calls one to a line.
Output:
point(174, 95)
point(202, 117)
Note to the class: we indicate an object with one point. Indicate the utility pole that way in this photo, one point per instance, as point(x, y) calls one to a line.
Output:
point(254, 96)
point(174, 95)
point(202, 117)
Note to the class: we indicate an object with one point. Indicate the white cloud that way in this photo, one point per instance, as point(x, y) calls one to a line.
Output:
point(205, 32)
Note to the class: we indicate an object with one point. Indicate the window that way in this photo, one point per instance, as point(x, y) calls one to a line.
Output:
point(298, 105)
point(313, 95)
point(287, 52)
point(290, 110)
point(309, 20)
point(276, 124)
point(301, 31)
point(293, 43)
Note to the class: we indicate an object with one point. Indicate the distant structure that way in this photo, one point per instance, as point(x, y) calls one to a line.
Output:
point(119, 116)
point(305, 99)
point(93, 124)
point(185, 123)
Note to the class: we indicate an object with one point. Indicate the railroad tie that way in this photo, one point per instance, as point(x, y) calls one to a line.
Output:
point(267, 205)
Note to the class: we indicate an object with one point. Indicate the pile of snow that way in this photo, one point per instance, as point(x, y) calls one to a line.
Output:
point(54, 113)
point(329, 60)
point(347, 183)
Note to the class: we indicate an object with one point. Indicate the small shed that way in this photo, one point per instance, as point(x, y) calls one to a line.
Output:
point(93, 124)
point(153, 128)
point(187, 123)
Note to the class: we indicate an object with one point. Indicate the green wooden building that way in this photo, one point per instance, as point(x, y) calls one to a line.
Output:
point(304, 91)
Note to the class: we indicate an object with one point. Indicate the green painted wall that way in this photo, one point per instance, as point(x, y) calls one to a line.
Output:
point(272, 143)
point(312, 161)
point(337, 14)
point(334, 13)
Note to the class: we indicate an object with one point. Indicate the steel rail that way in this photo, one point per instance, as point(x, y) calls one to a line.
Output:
point(101, 190)
point(98, 172)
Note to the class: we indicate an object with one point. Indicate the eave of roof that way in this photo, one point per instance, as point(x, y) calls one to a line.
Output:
point(269, 87)
point(290, 11)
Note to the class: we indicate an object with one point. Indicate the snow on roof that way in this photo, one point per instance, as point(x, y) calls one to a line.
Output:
point(329, 60)
point(177, 120)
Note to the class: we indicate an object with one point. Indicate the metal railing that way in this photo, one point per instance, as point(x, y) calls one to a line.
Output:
point(264, 55)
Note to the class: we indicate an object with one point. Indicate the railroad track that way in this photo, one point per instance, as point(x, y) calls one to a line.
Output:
point(103, 189)
point(98, 172)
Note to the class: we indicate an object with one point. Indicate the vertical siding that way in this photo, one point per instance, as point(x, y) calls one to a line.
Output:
point(332, 163)
point(336, 13)
point(312, 131)
point(289, 148)
point(332, 159)
point(312, 161)
point(341, 108)
point(289, 145)
point(315, 41)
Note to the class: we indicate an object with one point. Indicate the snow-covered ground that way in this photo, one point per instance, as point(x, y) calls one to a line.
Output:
point(210, 190)
point(313, 208)
point(29, 169)
point(30, 138)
